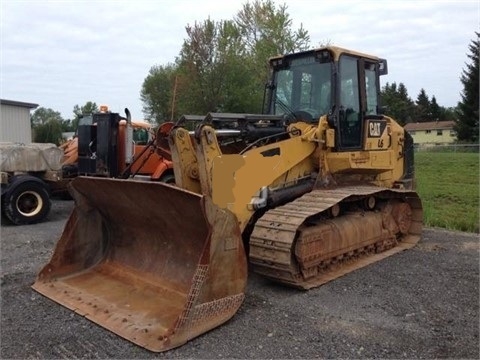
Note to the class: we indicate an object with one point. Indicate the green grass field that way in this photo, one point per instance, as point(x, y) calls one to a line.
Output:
point(448, 184)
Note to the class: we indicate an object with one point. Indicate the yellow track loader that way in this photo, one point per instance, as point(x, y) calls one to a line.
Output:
point(327, 188)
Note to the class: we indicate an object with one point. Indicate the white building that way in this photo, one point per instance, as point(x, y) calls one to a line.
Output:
point(15, 121)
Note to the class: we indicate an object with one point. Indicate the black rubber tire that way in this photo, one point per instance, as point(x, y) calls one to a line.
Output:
point(3, 210)
point(27, 202)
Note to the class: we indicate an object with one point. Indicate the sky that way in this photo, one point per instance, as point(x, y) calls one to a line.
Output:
point(59, 54)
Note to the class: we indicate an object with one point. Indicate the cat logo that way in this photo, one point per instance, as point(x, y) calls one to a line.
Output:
point(375, 128)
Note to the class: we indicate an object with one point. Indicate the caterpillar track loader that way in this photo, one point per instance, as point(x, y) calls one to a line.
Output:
point(331, 192)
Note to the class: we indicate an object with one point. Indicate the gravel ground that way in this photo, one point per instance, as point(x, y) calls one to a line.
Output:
point(421, 303)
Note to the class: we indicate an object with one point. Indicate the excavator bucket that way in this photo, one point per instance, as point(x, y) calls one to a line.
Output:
point(153, 263)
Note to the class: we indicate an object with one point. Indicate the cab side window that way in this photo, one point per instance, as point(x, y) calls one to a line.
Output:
point(350, 115)
point(371, 89)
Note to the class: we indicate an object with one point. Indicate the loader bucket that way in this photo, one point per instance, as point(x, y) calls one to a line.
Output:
point(153, 263)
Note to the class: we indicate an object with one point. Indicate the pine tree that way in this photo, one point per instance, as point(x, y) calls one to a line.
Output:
point(397, 102)
point(435, 111)
point(423, 107)
point(468, 109)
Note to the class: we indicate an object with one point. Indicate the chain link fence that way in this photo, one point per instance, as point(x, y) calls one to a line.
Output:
point(452, 148)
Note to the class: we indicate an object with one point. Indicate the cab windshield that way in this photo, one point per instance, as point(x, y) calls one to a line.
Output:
point(304, 86)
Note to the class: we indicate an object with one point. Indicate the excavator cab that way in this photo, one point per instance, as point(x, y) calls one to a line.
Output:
point(344, 86)
point(320, 185)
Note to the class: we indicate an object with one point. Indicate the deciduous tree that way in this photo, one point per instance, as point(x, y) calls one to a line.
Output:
point(43, 115)
point(157, 92)
point(47, 126)
point(222, 66)
point(78, 111)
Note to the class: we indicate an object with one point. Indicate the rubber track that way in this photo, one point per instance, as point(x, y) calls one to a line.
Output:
point(272, 239)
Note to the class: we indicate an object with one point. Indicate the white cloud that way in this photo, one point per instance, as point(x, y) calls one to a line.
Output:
point(62, 53)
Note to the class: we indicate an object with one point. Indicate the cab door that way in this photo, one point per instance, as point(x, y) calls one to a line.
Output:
point(357, 100)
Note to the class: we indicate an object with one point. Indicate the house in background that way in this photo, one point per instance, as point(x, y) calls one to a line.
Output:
point(432, 132)
point(15, 121)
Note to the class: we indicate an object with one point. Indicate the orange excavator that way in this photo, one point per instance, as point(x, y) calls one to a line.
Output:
point(327, 188)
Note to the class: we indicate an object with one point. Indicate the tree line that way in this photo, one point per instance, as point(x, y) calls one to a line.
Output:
point(222, 67)
point(48, 125)
point(403, 109)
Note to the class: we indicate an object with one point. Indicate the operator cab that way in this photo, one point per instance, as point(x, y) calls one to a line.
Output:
point(330, 81)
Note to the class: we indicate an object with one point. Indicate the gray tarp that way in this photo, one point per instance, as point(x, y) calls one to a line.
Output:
point(30, 157)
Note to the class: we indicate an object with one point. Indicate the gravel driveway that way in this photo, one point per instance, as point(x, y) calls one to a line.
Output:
point(421, 303)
